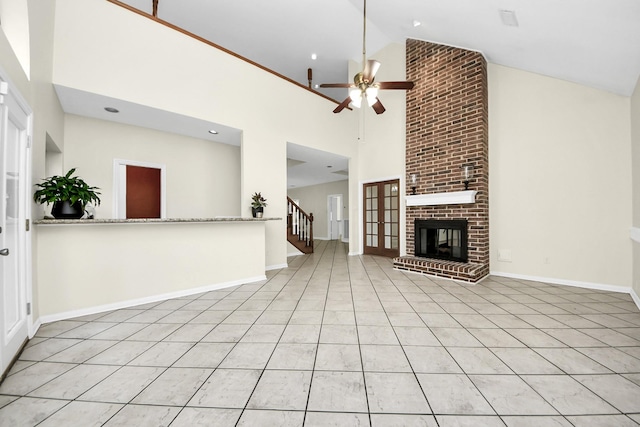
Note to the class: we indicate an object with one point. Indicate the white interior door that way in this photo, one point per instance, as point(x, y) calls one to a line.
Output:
point(334, 215)
point(14, 139)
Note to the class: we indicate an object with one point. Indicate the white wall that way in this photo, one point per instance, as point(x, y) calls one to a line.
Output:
point(635, 150)
point(159, 67)
point(91, 268)
point(560, 179)
point(202, 177)
point(313, 199)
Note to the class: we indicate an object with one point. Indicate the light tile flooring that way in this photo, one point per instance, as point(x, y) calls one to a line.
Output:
point(340, 341)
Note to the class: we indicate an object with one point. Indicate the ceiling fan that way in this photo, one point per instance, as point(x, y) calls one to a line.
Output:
point(363, 86)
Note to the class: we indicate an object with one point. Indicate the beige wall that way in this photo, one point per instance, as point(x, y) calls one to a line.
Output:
point(161, 68)
point(313, 199)
point(382, 139)
point(635, 159)
point(560, 179)
point(202, 177)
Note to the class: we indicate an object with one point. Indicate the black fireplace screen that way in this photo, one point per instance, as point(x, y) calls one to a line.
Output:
point(441, 239)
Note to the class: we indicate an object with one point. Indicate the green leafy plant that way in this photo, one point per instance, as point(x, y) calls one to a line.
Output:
point(257, 201)
point(61, 188)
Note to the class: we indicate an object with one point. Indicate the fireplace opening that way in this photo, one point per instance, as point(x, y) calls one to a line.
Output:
point(441, 239)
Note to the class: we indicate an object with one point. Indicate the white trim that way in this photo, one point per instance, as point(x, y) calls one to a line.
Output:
point(138, 301)
point(34, 328)
point(635, 297)
point(565, 282)
point(450, 198)
point(296, 253)
point(634, 233)
point(119, 197)
point(276, 266)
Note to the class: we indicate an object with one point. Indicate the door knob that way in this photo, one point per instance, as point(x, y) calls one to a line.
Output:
point(4, 252)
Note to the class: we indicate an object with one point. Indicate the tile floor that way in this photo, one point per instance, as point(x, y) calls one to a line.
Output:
point(340, 341)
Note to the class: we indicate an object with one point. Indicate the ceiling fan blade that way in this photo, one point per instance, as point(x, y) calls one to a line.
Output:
point(395, 85)
point(378, 107)
point(370, 69)
point(343, 105)
point(347, 85)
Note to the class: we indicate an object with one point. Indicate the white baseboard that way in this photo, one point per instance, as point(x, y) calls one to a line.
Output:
point(276, 266)
point(34, 328)
point(634, 233)
point(296, 253)
point(576, 283)
point(635, 297)
point(138, 301)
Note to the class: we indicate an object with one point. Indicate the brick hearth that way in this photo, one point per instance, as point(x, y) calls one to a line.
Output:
point(447, 127)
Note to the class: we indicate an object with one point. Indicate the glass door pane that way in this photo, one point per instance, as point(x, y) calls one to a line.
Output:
point(381, 218)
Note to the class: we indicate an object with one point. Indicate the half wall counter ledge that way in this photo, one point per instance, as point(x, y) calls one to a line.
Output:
point(54, 221)
point(88, 266)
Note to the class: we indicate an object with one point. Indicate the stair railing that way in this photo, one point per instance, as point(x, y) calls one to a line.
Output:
point(300, 224)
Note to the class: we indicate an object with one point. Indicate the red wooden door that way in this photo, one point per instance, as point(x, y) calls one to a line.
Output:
point(143, 192)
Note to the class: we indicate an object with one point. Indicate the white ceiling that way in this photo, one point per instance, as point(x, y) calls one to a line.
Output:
point(307, 166)
point(591, 42)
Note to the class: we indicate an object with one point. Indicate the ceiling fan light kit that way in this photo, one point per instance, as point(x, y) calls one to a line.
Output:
point(363, 86)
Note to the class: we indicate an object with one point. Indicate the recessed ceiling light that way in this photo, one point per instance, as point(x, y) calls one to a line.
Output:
point(314, 56)
point(508, 18)
point(111, 110)
point(213, 132)
point(416, 23)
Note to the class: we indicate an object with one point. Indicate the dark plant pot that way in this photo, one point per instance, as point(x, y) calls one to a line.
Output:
point(255, 211)
point(65, 210)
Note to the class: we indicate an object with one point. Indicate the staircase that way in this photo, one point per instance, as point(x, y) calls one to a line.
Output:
point(299, 228)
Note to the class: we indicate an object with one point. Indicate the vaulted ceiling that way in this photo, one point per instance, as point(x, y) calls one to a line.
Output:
point(591, 42)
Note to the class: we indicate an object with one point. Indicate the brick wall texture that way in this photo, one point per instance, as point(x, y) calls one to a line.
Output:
point(447, 127)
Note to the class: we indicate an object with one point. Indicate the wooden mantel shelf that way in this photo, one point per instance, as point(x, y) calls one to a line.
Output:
point(451, 198)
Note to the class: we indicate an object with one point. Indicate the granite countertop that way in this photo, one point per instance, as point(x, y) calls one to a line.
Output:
point(53, 221)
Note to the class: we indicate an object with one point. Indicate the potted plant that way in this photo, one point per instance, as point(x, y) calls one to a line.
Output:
point(257, 205)
point(69, 195)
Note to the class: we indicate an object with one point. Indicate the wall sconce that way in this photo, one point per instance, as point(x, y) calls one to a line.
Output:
point(414, 182)
point(467, 174)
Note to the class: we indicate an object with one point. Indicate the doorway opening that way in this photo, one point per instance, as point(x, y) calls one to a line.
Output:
point(334, 216)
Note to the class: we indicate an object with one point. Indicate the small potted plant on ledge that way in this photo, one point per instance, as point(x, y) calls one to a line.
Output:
point(257, 205)
point(69, 195)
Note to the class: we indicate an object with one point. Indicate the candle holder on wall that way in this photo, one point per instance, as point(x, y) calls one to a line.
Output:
point(467, 174)
point(414, 183)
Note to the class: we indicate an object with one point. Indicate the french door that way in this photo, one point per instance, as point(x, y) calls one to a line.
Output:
point(14, 140)
point(382, 218)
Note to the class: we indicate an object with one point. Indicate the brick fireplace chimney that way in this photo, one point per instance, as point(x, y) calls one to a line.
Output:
point(447, 127)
